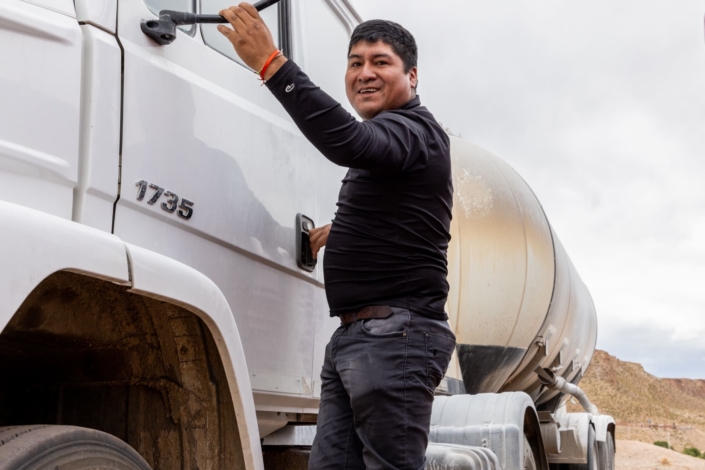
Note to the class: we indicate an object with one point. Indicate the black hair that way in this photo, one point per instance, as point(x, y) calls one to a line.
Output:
point(402, 42)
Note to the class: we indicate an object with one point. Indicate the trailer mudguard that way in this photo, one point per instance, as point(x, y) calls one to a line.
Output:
point(497, 421)
point(574, 429)
point(602, 425)
point(163, 278)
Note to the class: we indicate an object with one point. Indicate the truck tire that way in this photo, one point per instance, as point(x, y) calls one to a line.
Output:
point(593, 457)
point(606, 452)
point(47, 447)
point(529, 459)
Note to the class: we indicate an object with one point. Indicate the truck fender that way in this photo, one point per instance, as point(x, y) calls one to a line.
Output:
point(497, 421)
point(34, 245)
point(162, 278)
point(575, 435)
point(603, 424)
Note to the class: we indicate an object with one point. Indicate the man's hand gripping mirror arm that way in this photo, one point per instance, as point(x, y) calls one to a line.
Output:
point(388, 144)
point(251, 39)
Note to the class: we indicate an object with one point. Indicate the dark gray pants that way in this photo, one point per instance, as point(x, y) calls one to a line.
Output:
point(378, 380)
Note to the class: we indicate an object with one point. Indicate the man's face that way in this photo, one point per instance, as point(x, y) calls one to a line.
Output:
point(375, 80)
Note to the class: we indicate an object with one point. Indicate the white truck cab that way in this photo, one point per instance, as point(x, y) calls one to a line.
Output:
point(185, 167)
point(155, 296)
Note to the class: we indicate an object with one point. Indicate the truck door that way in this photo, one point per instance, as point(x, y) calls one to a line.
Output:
point(213, 173)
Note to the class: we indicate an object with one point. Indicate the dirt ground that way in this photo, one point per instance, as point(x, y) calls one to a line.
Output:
point(677, 438)
point(635, 455)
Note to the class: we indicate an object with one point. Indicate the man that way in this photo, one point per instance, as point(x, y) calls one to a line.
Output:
point(385, 265)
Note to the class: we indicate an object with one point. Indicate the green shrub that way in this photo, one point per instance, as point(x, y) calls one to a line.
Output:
point(662, 444)
point(693, 452)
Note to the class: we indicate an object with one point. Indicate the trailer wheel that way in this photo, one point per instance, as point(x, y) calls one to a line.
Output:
point(46, 447)
point(606, 452)
point(593, 462)
point(529, 459)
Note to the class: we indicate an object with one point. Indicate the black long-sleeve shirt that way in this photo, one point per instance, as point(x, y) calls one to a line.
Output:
point(390, 234)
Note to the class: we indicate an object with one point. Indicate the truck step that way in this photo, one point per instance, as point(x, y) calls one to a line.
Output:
point(290, 444)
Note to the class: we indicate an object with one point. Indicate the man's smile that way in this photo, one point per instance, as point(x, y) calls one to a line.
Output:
point(368, 90)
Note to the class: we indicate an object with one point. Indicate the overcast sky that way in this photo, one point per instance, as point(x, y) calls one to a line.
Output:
point(600, 106)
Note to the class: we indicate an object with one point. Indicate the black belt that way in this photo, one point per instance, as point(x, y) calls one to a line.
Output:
point(373, 311)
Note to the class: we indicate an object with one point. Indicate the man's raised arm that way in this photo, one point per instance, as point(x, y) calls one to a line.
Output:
point(389, 143)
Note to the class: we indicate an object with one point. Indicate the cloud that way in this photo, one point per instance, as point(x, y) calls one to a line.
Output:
point(662, 352)
point(600, 106)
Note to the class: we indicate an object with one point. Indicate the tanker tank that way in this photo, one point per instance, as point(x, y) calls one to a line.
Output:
point(516, 301)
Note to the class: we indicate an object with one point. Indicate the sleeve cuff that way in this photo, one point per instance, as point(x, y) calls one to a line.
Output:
point(279, 79)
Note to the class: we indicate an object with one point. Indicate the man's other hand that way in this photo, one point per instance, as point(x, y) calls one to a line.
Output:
point(318, 237)
point(250, 37)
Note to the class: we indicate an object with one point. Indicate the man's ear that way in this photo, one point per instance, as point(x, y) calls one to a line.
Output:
point(413, 77)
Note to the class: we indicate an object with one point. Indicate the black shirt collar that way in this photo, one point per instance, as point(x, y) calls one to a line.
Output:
point(412, 103)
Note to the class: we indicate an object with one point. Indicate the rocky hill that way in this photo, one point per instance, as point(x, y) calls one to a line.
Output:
point(694, 388)
point(645, 407)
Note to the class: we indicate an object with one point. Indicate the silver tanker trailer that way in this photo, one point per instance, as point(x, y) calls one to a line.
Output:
point(526, 330)
point(525, 324)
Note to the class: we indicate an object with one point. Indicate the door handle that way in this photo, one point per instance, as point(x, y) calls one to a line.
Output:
point(304, 254)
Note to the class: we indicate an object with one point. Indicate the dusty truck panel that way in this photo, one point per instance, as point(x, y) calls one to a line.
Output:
point(193, 291)
point(85, 352)
point(567, 338)
point(504, 279)
point(516, 300)
point(518, 307)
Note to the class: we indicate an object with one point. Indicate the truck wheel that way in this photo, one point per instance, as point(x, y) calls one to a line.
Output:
point(529, 460)
point(593, 462)
point(606, 452)
point(46, 447)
